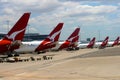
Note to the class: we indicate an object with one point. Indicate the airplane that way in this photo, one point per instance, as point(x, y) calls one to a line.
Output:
point(87, 45)
point(113, 43)
point(102, 45)
point(42, 46)
point(70, 42)
point(74, 44)
point(13, 38)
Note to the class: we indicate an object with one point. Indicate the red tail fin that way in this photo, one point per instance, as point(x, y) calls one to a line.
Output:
point(74, 36)
point(91, 44)
point(76, 39)
point(104, 43)
point(18, 30)
point(72, 39)
point(51, 40)
point(74, 42)
point(116, 42)
point(55, 34)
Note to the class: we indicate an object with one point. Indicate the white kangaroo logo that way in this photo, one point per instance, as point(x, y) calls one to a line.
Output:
point(106, 41)
point(53, 36)
point(72, 38)
point(92, 42)
point(13, 35)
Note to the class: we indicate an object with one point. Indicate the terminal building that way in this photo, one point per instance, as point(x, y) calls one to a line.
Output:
point(29, 36)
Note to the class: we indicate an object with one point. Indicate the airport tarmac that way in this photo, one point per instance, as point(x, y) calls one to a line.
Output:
point(84, 64)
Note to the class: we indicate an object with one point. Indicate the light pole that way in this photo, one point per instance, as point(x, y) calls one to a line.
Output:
point(99, 34)
point(28, 31)
point(28, 28)
point(8, 25)
point(80, 36)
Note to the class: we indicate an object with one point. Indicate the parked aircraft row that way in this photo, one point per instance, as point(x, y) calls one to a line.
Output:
point(12, 42)
point(38, 46)
point(51, 42)
point(100, 45)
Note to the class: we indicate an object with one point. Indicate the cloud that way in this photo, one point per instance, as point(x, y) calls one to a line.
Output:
point(102, 1)
point(32, 5)
point(81, 10)
point(46, 14)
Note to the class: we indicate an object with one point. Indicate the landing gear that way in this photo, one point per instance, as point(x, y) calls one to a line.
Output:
point(41, 52)
point(12, 53)
point(72, 48)
point(9, 54)
point(77, 48)
point(101, 47)
point(16, 54)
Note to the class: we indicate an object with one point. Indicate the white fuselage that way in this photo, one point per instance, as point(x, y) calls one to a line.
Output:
point(110, 44)
point(82, 46)
point(28, 46)
point(57, 45)
point(97, 44)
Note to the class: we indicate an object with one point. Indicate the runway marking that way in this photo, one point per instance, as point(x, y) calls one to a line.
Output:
point(53, 63)
point(23, 73)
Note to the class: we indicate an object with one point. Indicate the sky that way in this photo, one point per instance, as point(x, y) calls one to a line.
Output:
point(96, 18)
